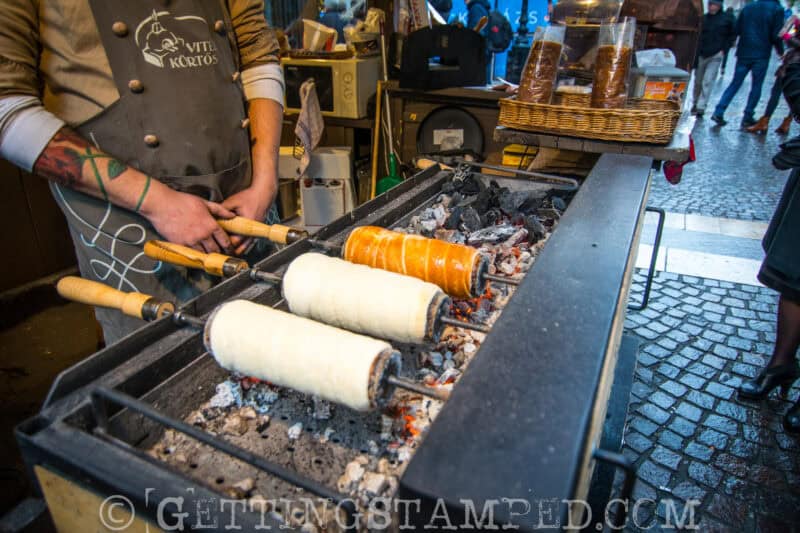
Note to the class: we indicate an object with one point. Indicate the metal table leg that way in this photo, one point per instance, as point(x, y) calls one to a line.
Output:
point(651, 272)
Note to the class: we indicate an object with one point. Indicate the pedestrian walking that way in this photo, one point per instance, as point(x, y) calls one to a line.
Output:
point(789, 36)
point(781, 271)
point(732, 17)
point(774, 99)
point(714, 41)
point(758, 27)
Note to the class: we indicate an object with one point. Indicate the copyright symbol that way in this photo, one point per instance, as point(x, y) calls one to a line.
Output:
point(112, 512)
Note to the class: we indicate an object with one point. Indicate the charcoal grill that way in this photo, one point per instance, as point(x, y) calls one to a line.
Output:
point(523, 422)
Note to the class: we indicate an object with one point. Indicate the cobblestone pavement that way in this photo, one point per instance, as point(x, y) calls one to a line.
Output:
point(733, 176)
point(689, 436)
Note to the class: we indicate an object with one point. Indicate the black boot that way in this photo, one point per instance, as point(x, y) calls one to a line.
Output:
point(791, 420)
point(759, 387)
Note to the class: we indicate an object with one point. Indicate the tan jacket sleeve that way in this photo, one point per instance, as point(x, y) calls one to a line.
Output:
point(256, 40)
point(19, 48)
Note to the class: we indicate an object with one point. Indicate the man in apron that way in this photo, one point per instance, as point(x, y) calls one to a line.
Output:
point(150, 119)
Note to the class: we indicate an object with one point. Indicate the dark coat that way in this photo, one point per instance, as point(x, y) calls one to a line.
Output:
point(718, 30)
point(334, 18)
point(758, 28)
point(475, 10)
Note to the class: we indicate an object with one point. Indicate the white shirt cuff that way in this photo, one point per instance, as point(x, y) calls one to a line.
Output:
point(264, 81)
point(26, 127)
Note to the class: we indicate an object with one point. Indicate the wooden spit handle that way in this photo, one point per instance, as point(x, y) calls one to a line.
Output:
point(424, 164)
point(251, 228)
point(133, 304)
point(215, 264)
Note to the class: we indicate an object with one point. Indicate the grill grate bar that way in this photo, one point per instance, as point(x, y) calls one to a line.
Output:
point(102, 394)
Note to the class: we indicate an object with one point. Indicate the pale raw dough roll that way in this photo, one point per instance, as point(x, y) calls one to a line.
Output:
point(294, 352)
point(360, 298)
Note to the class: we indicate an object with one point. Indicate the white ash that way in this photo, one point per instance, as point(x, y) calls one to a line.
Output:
point(387, 426)
point(295, 431)
point(373, 484)
point(353, 472)
point(248, 413)
point(326, 435)
point(225, 395)
point(373, 448)
point(259, 396)
point(322, 409)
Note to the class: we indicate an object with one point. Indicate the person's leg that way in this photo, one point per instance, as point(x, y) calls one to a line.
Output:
point(739, 74)
point(786, 343)
point(783, 129)
point(782, 369)
point(724, 62)
point(709, 77)
point(699, 74)
point(759, 70)
point(787, 339)
point(774, 98)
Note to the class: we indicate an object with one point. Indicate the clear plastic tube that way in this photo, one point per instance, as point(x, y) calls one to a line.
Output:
point(613, 64)
point(541, 69)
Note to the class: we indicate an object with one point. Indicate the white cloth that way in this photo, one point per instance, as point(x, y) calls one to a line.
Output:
point(264, 81)
point(25, 129)
point(310, 123)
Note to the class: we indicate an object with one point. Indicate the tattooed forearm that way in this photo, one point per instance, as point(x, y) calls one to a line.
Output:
point(63, 160)
point(59, 161)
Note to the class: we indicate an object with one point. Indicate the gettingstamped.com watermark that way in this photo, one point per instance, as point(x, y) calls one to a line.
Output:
point(189, 512)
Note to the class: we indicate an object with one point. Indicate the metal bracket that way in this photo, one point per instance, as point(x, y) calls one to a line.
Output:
point(101, 395)
point(623, 463)
point(651, 271)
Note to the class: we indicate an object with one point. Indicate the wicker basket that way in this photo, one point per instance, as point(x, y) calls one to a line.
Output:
point(642, 121)
point(572, 100)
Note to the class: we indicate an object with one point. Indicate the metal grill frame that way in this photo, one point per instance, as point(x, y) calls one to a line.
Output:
point(488, 441)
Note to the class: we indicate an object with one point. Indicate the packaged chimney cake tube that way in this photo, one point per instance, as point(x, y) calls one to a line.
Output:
point(541, 68)
point(613, 64)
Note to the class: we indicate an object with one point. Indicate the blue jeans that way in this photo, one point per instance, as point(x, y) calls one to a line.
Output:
point(758, 67)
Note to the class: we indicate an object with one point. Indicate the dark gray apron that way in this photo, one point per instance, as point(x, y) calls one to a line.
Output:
point(180, 118)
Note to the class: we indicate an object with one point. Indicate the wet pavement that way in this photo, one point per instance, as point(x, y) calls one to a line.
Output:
point(733, 176)
point(688, 435)
point(728, 464)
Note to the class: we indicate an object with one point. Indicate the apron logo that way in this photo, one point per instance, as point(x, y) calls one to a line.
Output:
point(163, 48)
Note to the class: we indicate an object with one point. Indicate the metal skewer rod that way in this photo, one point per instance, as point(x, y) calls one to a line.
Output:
point(183, 319)
point(265, 277)
point(466, 325)
point(501, 279)
point(570, 183)
point(327, 246)
point(403, 383)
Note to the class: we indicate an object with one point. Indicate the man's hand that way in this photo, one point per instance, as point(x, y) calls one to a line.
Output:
point(251, 203)
point(186, 219)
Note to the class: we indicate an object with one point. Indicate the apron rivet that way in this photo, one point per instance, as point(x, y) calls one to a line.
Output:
point(245, 123)
point(151, 140)
point(219, 27)
point(135, 86)
point(235, 76)
point(120, 29)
